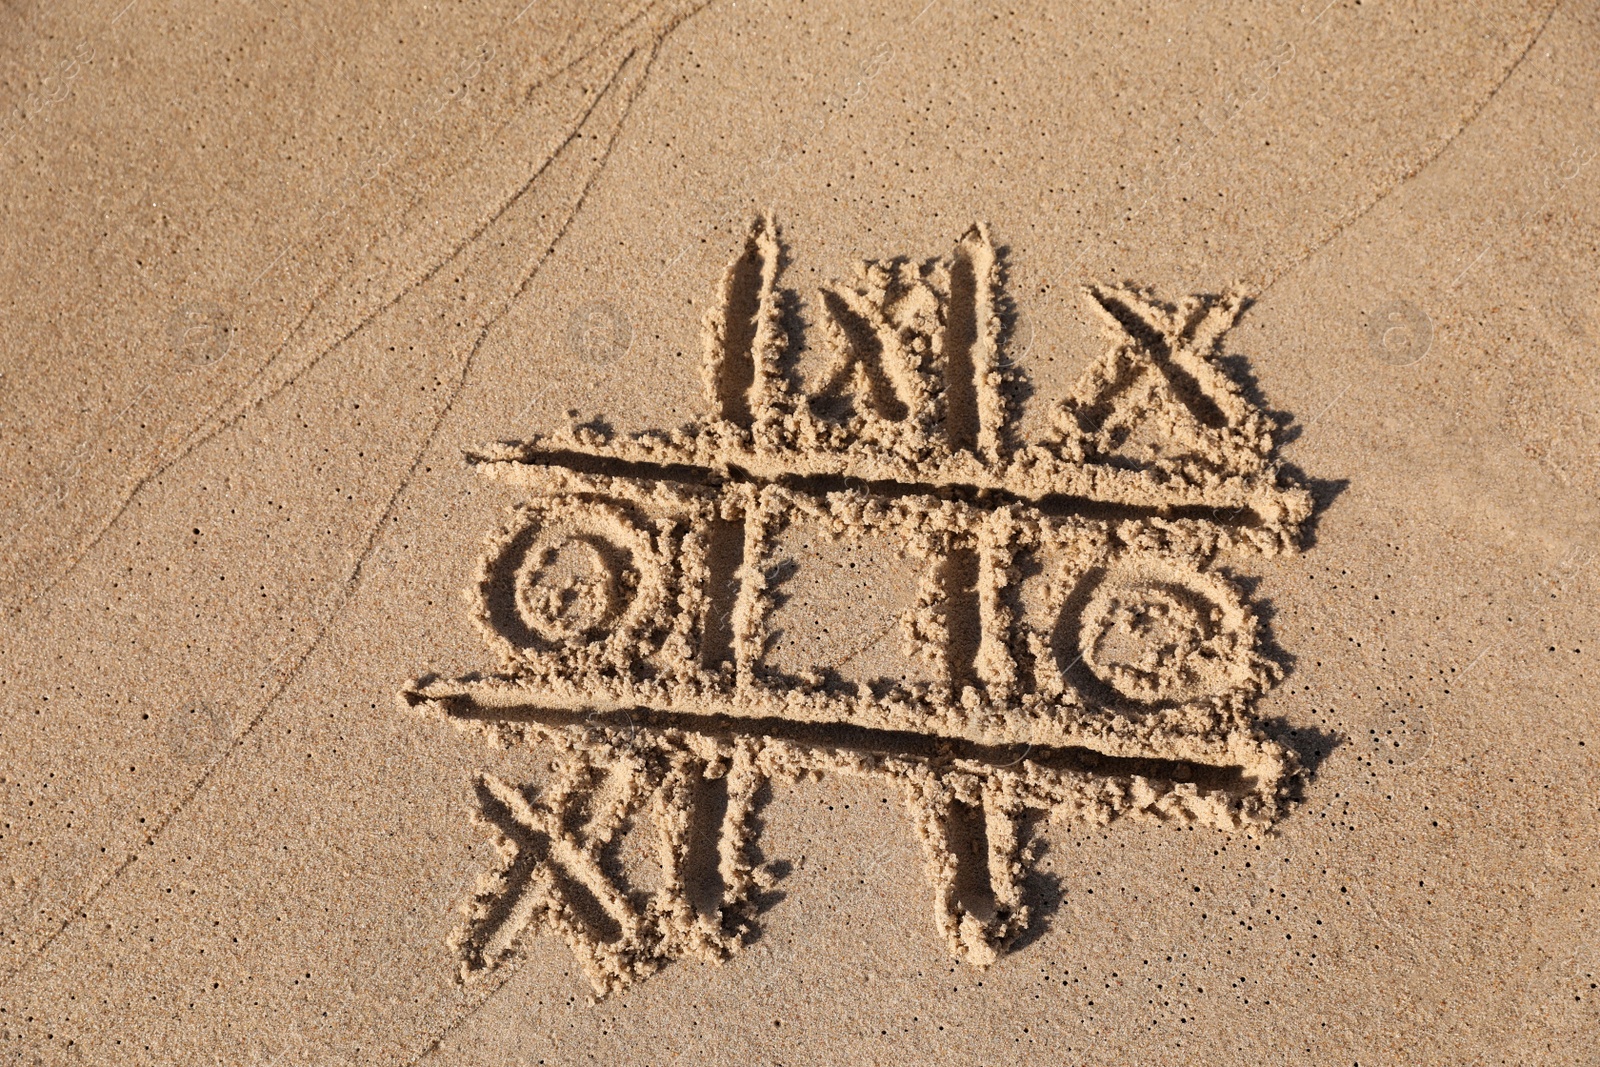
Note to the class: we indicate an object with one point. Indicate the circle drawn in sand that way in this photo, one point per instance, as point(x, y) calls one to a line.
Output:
point(566, 588)
point(197, 733)
point(201, 332)
point(1399, 333)
point(599, 332)
point(572, 578)
point(1152, 638)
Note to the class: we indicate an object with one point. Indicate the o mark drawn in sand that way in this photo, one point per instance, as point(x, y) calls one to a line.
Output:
point(1070, 649)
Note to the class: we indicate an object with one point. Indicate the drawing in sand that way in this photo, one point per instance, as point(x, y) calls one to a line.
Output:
point(1072, 649)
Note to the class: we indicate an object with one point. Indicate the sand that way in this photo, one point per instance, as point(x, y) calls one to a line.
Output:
point(762, 534)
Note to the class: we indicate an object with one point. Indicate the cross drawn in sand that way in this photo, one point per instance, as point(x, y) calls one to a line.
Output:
point(1069, 649)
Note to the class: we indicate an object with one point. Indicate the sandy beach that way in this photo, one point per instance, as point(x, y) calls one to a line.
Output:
point(708, 532)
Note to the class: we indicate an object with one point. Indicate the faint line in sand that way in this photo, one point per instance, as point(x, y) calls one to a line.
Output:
point(158, 830)
point(873, 640)
point(388, 152)
point(204, 436)
point(196, 442)
point(1355, 216)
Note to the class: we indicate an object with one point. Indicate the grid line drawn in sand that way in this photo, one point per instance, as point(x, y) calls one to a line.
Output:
point(1068, 606)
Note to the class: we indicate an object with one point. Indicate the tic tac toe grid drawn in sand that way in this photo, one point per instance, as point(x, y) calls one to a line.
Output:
point(1067, 647)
